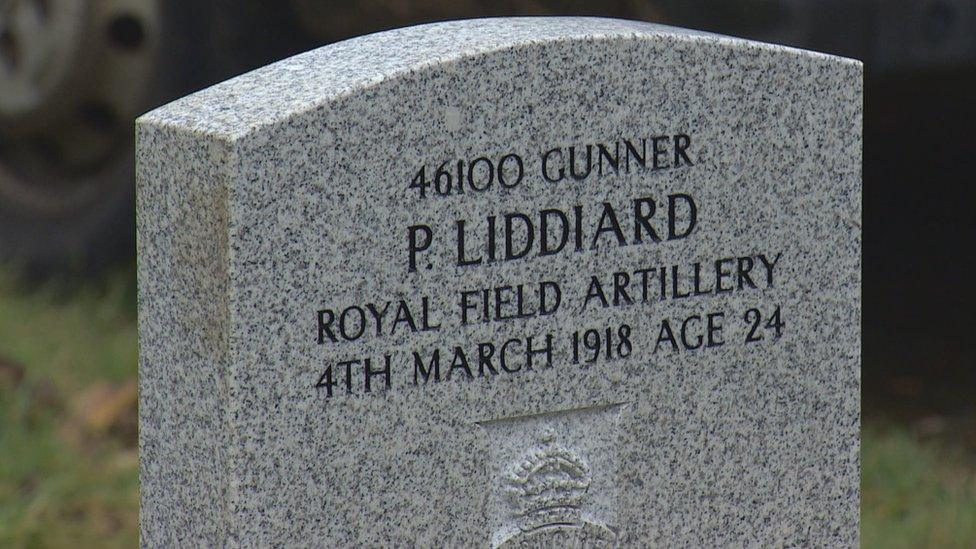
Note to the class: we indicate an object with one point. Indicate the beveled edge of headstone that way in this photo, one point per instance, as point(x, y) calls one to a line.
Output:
point(234, 108)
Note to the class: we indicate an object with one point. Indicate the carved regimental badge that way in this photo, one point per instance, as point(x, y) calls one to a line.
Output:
point(546, 491)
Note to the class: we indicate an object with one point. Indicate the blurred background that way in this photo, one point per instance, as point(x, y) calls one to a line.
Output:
point(75, 73)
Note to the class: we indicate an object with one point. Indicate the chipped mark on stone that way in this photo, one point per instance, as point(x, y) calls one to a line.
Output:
point(452, 118)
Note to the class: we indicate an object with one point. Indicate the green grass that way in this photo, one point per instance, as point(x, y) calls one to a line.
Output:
point(63, 481)
point(67, 480)
point(916, 495)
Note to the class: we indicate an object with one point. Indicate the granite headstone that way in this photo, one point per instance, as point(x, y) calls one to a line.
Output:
point(505, 282)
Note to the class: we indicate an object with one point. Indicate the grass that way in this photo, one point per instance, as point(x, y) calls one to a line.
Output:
point(915, 494)
point(69, 463)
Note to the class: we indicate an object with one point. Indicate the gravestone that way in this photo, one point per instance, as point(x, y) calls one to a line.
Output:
point(507, 282)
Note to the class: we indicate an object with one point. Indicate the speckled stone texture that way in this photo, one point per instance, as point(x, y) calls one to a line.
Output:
point(720, 408)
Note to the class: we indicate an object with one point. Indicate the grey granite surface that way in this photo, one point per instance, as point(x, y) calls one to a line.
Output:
point(275, 213)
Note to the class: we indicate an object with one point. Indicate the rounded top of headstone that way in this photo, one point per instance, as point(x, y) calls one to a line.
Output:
point(234, 108)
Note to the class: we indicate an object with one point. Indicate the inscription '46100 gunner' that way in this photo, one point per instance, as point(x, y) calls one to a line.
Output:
point(576, 162)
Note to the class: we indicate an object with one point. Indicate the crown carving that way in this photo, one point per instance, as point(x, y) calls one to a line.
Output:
point(548, 486)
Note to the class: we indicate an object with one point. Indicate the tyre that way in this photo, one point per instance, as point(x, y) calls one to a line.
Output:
point(74, 74)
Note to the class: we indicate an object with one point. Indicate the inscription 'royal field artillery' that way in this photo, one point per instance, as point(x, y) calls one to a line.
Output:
point(545, 282)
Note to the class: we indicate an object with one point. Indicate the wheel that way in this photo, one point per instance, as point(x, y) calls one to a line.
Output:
point(73, 75)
